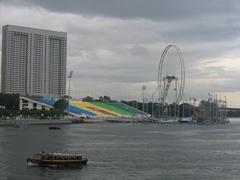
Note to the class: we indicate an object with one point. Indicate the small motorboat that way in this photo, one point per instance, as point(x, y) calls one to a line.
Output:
point(54, 128)
point(57, 160)
point(185, 120)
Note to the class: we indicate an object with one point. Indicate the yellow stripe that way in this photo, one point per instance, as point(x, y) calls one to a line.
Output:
point(100, 108)
point(107, 110)
point(79, 104)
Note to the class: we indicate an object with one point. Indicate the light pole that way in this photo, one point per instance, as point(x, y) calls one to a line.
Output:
point(146, 104)
point(143, 89)
point(69, 78)
point(152, 103)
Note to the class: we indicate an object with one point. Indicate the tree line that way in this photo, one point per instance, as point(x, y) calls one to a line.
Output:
point(9, 108)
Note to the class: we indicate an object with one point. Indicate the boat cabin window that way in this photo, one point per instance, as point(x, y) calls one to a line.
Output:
point(57, 157)
point(37, 156)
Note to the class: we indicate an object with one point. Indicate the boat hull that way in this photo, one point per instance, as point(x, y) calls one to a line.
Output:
point(57, 163)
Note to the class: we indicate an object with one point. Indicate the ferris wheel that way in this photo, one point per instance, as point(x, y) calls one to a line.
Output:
point(171, 76)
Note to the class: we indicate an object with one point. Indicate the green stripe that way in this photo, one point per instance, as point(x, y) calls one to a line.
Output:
point(128, 108)
point(110, 107)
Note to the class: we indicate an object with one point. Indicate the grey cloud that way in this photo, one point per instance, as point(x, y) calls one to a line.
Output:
point(149, 9)
point(138, 50)
point(205, 31)
point(123, 50)
point(134, 71)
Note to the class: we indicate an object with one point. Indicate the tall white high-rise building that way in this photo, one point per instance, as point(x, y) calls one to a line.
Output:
point(33, 61)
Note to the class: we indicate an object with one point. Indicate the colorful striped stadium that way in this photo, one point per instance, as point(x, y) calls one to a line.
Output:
point(98, 109)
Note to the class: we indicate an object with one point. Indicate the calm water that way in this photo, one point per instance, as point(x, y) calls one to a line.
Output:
point(126, 151)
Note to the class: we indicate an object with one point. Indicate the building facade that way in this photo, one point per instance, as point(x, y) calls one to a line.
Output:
point(33, 61)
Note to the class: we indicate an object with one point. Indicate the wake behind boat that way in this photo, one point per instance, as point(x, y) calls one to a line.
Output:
point(57, 160)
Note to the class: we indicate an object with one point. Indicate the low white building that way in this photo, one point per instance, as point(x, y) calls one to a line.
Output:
point(27, 103)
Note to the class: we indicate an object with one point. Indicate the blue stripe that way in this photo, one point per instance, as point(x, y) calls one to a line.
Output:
point(72, 108)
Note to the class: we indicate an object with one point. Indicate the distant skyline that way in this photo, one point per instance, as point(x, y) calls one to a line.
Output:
point(114, 46)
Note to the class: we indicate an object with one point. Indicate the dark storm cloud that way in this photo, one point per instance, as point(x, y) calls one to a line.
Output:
point(149, 9)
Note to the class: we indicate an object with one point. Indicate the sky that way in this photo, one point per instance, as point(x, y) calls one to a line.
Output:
point(114, 47)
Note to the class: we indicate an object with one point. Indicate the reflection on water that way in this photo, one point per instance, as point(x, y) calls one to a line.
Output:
point(125, 151)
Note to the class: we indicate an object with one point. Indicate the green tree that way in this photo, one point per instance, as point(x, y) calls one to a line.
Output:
point(9, 101)
point(88, 99)
point(61, 104)
point(104, 99)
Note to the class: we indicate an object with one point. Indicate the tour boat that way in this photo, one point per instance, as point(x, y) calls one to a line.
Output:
point(57, 160)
